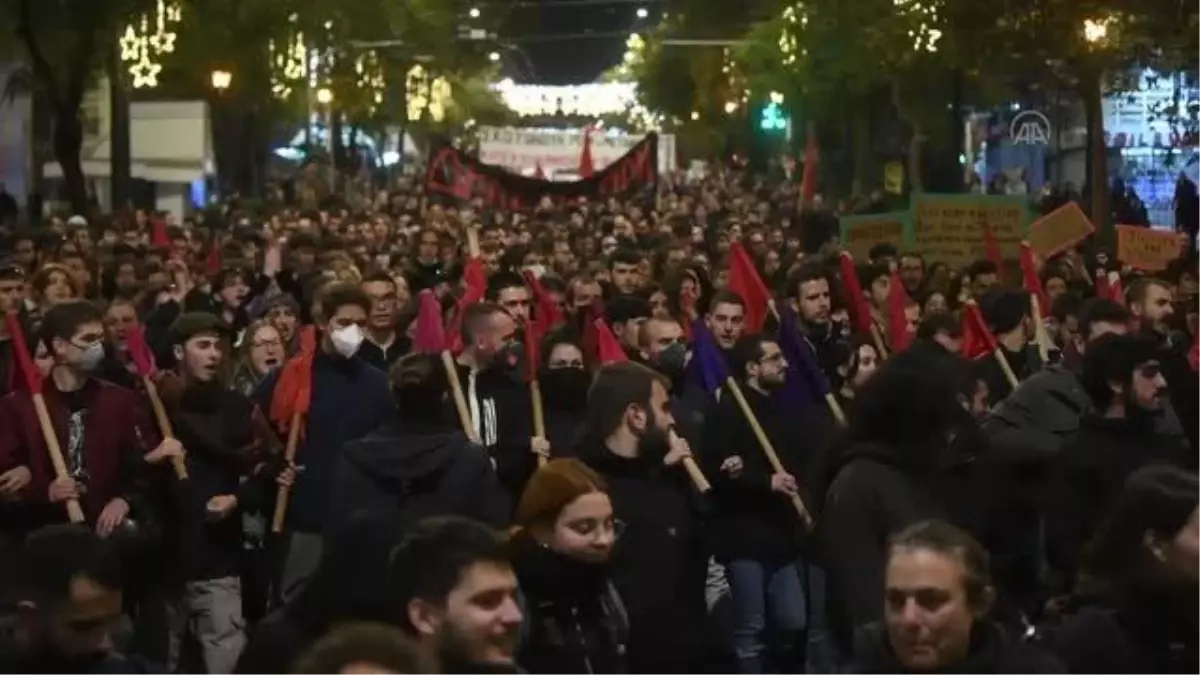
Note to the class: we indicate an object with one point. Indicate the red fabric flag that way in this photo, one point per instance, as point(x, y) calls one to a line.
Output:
point(609, 350)
point(538, 173)
point(978, 341)
point(1102, 289)
point(991, 247)
point(546, 317)
point(140, 353)
point(808, 178)
point(589, 341)
point(293, 391)
point(308, 339)
point(1032, 282)
point(476, 281)
point(744, 280)
point(1116, 289)
point(213, 264)
point(856, 301)
point(898, 302)
point(21, 356)
point(158, 235)
point(586, 169)
point(430, 335)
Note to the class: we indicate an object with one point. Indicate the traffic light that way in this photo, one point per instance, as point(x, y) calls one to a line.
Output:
point(773, 118)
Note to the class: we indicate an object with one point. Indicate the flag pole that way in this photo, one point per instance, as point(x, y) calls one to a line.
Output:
point(539, 415)
point(693, 471)
point(164, 424)
point(1039, 329)
point(289, 453)
point(835, 408)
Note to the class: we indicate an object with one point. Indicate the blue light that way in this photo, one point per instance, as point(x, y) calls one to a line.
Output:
point(773, 118)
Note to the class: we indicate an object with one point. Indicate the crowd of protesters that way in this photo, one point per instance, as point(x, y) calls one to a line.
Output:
point(676, 432)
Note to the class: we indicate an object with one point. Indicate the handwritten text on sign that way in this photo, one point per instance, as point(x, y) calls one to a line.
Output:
point(1147, 249)
point(950, 228)
point(861, 233)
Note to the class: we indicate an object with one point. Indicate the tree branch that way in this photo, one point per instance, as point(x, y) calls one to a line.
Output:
point(41, 66)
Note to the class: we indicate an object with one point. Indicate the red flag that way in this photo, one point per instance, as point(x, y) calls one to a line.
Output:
point(538, 173)
point(308, 339)
point(856, 302)
point(744, 280)
point(898, 302)
point(808, 179)
point(430, 336)
point(158, 235)
point(585, 158)
point(476, 281)
point(293, 391)
point(590, 338)
point(213, 264)
point(22, 358)
point(609, 349)
point(991, 247)
point(139, 352)
point(546, 311)
point(1032, 282)
point(978, 341)
point(1116, 289)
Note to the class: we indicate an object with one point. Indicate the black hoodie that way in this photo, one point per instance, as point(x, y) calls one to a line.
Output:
point(407, 471)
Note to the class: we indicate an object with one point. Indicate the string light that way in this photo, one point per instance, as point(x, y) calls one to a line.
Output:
point(147, 39)
point(288, 60)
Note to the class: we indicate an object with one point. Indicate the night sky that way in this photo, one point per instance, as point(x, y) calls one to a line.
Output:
point(533, 24)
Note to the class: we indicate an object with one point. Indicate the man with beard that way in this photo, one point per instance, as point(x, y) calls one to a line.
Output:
point(508, 290)
point(490, 369)
point(453, 588)
point(757, 528)
point(68, 598)
point(813, 304)
point(1150, 302)
point(623, 271)
point(214, 424)
point(564, 382)
point(658, 565)
point(1122, 375)
point(419, 463)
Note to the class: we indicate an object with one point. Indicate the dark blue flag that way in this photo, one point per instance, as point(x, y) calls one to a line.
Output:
point(707, 365)
point(806, 382)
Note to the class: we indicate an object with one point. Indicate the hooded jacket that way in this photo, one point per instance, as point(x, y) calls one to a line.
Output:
point(406, 471)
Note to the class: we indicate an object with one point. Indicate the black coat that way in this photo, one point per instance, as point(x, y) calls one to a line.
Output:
point(753, 522)
point(992, 651)
point(1089, 475)
point(505, 424)
point(575, 621)
point(405, 472)
point(659, 563)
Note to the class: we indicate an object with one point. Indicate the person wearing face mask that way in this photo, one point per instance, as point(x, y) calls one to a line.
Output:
point(100, 431)
point(67, 594)
point(562, 543)
point(1122, 374)
point(659, 565)
point(419, 463)
point(205, 531)
point(491, 369)
point(757, 532)
point(349, 398)
point(564, 381)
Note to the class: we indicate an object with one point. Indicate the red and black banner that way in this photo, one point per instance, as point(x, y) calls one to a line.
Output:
point(454, 173)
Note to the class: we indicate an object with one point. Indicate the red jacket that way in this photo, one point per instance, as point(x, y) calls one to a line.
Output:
point(116, 437)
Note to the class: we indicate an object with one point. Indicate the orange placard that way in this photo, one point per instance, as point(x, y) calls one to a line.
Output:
point(1147, 249)
point(1059, 230)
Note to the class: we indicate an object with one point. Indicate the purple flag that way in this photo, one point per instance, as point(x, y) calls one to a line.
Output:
point(806, 382)
point(707, 365)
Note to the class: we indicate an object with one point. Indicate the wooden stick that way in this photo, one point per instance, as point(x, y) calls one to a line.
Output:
point(1043, 340)
point(74, 510)
point(289, 453)
point(472, 241)
point(877, 338)
point(693, 470)
point(765, 444)
point(460, 400)
point(164, 424)
point(539, 415)
point(1008, 371)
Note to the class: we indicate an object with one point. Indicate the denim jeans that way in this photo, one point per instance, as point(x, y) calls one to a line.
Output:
point(209, 611)
point(760, 591)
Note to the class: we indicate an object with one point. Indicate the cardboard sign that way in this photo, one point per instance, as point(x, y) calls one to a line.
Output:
point(1059, 230)
point(860, 233)
point(1147, 249)
point(950, 228)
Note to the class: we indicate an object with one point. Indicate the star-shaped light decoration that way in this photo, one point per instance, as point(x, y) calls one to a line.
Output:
point(145, 73)
point(131, 44)
point(163, 43)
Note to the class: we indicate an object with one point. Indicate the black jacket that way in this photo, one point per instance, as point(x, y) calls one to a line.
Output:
point(992, 651)
point(753, 522)
point(1089, 475)
point(505, 424)
point(659, 563)
point(575, 621)
point(405, 472)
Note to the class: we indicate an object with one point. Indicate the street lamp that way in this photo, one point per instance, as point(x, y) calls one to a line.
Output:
point(474, 13)
point(1095, 30)
point(642, 13)
point(221, 79)
point(494, 56)
point(324, 96)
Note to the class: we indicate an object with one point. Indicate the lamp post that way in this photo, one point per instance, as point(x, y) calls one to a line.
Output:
point(221, 79)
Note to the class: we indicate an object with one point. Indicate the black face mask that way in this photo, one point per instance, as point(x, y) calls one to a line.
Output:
point(671, 361)
point(565, 388)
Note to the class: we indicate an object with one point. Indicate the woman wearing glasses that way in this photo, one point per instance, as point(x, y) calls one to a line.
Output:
point(261, 351)
point(575, 620)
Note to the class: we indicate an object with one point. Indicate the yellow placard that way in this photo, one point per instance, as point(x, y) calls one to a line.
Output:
point(950, 228)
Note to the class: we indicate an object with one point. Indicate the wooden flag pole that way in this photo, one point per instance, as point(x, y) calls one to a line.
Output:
point(74, 510)
point(693, 470)
point(460, 400)
point(539, 416)
point(164, 424)
point(1039, 329)
point(765, 444)
point(289, 453)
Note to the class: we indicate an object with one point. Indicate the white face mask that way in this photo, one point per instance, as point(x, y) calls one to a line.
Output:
point(347, 340)
point(92, 356)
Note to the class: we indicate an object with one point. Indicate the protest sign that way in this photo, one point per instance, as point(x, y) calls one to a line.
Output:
point(860, 233)
point(950, 228)
point(1147, 249)
point(1059, 230)
point(557, 150)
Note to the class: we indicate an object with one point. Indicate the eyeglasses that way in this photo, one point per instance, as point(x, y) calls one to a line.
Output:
point(266, 344)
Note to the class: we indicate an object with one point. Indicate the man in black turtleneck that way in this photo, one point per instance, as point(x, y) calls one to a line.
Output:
point(1123, 376)
point(213, 423)
point(659, 564)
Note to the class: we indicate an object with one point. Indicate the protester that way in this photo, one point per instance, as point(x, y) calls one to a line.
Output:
point(564, 383)
point(564, 536)
point(363, 649)
point(261, 352)
point(384, 342)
